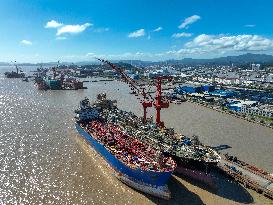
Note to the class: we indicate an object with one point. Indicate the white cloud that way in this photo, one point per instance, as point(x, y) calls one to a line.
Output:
point(53, 24)
point(231, 43)
point(136, 34)
point(90, 55)
point(118, 56)
point(100, 30)
point(186, 51)
point(250, 25)
point(200, 40)
point(26, 42)
point(158, 29)
point(217, 45)
point(61, 38)
point(72, 29)
point(180, 35)
point(188, 21)
point(122, 56)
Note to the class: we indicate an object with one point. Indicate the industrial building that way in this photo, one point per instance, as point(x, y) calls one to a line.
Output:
point(222, 93)
point(263, 110)
point(240, 105)
point(189, 89)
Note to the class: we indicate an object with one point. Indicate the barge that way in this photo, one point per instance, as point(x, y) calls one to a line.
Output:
point(250, 176)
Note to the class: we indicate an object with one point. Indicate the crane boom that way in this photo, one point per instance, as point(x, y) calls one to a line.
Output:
point(148, 100)
point(128, 80)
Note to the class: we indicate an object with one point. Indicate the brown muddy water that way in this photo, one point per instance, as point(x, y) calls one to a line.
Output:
point(44, 161)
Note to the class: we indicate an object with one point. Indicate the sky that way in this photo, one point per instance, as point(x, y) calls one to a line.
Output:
point(50, 30)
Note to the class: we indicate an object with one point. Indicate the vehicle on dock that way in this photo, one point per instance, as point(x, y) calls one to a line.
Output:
point(134, 161)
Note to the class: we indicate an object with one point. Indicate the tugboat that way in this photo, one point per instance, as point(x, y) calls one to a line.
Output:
point(25, 79)
point(16, 74)
point(134, 162)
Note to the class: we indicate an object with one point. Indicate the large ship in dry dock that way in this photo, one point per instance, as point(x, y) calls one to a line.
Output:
point(134, 162)
point(193, 159)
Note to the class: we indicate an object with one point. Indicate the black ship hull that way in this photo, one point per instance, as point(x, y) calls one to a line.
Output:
point(195, 170)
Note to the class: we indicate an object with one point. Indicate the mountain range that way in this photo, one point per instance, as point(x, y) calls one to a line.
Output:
point(237, 60)
point(228, 60)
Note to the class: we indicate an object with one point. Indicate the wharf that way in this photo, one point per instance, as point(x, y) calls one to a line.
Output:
point(249, 178)
point(102, 80)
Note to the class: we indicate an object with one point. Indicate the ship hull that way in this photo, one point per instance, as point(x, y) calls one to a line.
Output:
point(194, 169)
point(53, 84)
point(196, 175)
point(194, 164)
point(153, 183)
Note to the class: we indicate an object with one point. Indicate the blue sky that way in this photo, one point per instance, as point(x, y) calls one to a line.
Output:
point(51, 30)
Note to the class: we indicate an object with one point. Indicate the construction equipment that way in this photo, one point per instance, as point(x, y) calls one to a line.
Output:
point(147, 100)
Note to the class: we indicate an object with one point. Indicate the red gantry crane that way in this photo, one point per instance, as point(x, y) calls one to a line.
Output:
point(148, 100)
point(159, 103)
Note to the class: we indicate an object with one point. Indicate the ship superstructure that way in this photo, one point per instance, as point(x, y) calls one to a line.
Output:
point(17, 74)
point(57, 81)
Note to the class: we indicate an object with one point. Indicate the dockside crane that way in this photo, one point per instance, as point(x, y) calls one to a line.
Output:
point(159, 102)
point(147, 99)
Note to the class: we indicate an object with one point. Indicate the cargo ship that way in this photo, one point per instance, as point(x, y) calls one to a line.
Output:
point(52, 82)
point(193, 159)
point(134, 162)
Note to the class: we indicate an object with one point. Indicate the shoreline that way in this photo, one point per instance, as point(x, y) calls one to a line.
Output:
point(231, 114)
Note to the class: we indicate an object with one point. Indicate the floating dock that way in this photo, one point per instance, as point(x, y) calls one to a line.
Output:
point(248, 175)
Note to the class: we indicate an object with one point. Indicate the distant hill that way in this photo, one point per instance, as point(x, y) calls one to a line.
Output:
point(240, 59)
point(3, 64)
point(236, 60)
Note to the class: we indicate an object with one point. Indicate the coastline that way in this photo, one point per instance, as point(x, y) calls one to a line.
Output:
point(231, 114)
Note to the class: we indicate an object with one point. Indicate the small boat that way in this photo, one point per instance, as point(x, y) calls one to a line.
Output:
point(25, 79)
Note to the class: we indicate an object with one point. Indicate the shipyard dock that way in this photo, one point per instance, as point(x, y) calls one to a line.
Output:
point(249, 176)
